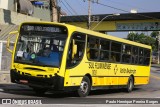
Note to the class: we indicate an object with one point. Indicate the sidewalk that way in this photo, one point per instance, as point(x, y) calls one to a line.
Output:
point(5, 77)
point(6, 85)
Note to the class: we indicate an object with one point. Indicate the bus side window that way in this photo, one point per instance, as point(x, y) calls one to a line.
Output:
point(80, 43)
point(115, 52)
point(113, 58)
point(93, 48)
point(104, 49)
point(134, 55)
point(126, 53)
point(147, 56)
point(141, 58)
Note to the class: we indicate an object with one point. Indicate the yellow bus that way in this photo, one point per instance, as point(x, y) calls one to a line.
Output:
point(60, 57)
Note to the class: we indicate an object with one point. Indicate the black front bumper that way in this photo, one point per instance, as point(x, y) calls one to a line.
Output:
point(54, 83)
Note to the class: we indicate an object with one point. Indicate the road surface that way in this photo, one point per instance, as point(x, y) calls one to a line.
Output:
point(152, 90)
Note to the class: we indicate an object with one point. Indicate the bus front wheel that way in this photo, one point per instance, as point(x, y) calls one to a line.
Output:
point(130, 84)
point(85, 87)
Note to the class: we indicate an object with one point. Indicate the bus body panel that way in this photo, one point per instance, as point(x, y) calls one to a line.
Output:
point(103, 73)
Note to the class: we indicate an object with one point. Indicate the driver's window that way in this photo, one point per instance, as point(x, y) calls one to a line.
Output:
point(77, 39)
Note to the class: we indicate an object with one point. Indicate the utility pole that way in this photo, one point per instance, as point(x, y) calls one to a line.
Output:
point(89, 12)
point(158, 47)
point(55, 11)
point(16, 2)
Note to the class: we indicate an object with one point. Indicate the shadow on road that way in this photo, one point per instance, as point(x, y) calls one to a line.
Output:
point(22, 90)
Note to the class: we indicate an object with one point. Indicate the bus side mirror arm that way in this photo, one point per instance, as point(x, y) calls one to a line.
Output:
point(8, 45)
point(74, 49)
point(8, 41)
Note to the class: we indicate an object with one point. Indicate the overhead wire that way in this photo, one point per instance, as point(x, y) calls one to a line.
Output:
point(68, 11)
point(66, 8)
point(105, 6)
point(126, 11)
point(92, 11)
point(128, 5)
point(82, 6)
point(70, 7)
point(73, 11)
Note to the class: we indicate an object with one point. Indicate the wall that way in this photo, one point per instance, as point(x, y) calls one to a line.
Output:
point(42, 12)
point(4, 4)
point(5, 57)
point(10, 17)
point(11, 5)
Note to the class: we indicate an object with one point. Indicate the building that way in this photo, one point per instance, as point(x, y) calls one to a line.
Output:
point(35, 8)
point(14, 12)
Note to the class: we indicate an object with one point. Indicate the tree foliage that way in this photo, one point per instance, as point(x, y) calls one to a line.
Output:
point(144, 39)
point(154, 34)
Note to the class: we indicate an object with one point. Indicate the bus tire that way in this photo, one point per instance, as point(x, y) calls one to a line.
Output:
point(130, 84)
point(85, 87)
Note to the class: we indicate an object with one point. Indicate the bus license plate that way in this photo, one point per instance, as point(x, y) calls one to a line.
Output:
point(23, 81)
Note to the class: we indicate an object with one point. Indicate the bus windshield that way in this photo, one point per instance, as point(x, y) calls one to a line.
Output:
point(40, 45)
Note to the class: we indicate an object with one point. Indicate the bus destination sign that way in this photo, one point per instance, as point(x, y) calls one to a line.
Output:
point(40, 28)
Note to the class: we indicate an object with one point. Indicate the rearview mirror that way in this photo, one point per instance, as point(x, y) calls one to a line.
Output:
point(8, 41)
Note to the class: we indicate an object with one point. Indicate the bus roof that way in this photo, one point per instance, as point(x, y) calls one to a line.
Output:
point(94, 33)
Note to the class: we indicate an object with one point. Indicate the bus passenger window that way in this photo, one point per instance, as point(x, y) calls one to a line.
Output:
point(104, 55)
point(126, 53)
point(93, 48)
point(140, 52)
point(146, 61)
point(134, 54)
point(105, 44)
point(115, 57)
point(147, 56)
point(93, 54)
point(134, 59)
point(115, 52)
point(147, 53)
point(116, 47)
point(126, 58)
point(104, 49)
point(141, 58)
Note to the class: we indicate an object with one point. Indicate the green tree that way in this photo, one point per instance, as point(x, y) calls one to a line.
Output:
point(142, 38)
point(154, 34)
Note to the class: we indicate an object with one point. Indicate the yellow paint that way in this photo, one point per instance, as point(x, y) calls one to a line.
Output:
point(102, 77)
point(141, 80)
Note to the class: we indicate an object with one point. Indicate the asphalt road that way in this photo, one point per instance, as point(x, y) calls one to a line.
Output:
point(152, 90)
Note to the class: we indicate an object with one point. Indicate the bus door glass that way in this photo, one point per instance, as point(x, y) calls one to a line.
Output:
point(76, 49)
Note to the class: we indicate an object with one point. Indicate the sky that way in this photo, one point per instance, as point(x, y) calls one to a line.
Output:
point(80, 7)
